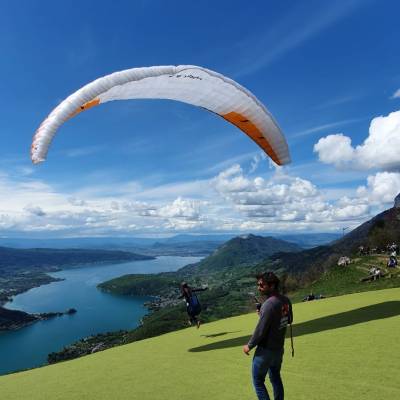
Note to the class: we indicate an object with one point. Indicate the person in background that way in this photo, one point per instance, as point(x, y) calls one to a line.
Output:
point(392, 262)
point(193, 306)
point(269, 337)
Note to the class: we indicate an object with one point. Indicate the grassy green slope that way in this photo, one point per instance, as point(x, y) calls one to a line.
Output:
point(338, 281)
point(346, 348)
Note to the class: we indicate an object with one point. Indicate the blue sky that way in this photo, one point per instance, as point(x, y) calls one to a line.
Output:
point(328, 71)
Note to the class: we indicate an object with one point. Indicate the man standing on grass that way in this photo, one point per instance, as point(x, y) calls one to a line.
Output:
point(269, 337)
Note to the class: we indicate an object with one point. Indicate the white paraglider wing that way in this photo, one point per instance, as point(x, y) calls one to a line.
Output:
point(189, 84)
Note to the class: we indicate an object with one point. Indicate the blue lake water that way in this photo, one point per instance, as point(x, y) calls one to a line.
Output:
point(98, 312)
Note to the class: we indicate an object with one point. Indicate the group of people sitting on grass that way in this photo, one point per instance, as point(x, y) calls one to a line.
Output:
point(390, 248)
point(375, 272)
point(365, 250)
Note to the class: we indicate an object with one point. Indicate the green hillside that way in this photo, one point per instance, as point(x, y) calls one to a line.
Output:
point(229, 294)
point(376, 233)
point(240, 251)
point(345, 280)
point(342, 344)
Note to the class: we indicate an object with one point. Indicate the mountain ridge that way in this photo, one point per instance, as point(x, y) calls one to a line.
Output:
point(242, 250)
point(382, 229)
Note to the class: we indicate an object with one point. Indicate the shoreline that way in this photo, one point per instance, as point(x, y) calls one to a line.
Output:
point(45, 278)
point(23, 319)
point(8, 298)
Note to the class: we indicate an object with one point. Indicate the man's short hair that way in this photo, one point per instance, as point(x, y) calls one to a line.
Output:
point(269, 277)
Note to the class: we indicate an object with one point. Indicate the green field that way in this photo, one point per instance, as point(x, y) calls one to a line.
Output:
point(347, 347)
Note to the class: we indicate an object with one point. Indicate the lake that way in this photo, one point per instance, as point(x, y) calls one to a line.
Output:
point(98, 312)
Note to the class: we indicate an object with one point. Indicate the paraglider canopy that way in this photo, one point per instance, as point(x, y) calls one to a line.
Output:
point(189, 84)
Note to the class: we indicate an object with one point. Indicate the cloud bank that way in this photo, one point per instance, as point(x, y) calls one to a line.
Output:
point(235, 200)
point(285, 198)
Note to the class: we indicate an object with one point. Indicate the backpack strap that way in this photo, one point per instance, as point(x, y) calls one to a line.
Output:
point(291, 339)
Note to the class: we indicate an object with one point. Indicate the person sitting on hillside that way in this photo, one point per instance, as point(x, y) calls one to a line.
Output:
point(381, 250)
point(374, 274)
point(378, 274)
point(372, 271)
point(344, 261)
point(193, 306)
point(392, 262)
point(309, 297)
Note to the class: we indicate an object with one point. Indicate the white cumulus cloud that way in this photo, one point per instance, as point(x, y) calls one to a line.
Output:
point(181, 208)
point(285, 199)
point(380, 149)
point(335, 149)
point(381, 188)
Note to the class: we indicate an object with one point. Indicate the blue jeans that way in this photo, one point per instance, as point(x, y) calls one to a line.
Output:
point(265, 362)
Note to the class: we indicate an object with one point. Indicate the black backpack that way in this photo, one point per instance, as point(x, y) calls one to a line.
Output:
point(194, 306)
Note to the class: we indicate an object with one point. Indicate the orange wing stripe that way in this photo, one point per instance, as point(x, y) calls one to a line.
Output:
point(252, 131)
point(85, 106)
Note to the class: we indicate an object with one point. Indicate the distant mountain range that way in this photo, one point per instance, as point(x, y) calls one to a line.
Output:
point(13, 260)
point(77, 243)
point(309, 240)
point(305, 240)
